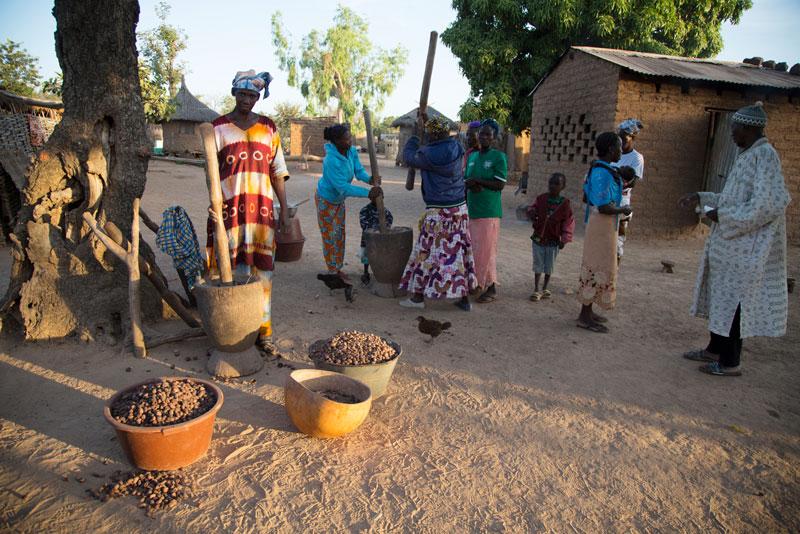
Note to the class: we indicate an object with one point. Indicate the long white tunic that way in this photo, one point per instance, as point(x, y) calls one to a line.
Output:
point(744, 260)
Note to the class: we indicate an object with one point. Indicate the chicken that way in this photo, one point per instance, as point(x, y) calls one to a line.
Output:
point(431, 327)
point(334, 281)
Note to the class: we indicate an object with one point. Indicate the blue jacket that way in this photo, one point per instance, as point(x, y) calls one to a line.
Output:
point(337, 173)
point(441, 163)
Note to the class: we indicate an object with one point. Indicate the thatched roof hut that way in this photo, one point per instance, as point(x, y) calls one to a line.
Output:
point(408, 122)
point(180, 131)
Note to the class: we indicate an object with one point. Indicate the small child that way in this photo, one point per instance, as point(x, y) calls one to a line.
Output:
point(368, 218)
point(553, 226)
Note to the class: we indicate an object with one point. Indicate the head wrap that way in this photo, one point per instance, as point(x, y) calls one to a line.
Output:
point(250, 81)
point(474, 124)
point(493, 124)
point(630, 126)
point(438, 126)
point(751, 115)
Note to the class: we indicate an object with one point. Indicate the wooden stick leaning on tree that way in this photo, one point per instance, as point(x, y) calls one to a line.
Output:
point(376, 175)
point(423, 102)
point(130, 257)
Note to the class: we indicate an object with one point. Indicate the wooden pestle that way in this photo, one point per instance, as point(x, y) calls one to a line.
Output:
point(373, 164)
point(215, 196)
point(423, 102)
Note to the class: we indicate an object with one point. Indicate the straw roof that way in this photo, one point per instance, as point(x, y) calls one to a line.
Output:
point(189, 108)
point(410, 118)
point(14, 103)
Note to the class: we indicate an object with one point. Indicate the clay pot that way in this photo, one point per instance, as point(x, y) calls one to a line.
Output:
point(374, 375)
point(231, 315)
point(289, 245)
point(321, 417)
point(163, 448)
point(388, 252)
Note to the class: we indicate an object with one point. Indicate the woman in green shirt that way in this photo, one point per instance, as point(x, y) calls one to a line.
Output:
point(485, 177)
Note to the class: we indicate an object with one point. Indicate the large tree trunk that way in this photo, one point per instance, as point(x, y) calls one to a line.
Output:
point(64, 280)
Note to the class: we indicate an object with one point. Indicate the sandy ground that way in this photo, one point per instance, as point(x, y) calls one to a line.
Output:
point(517, 422)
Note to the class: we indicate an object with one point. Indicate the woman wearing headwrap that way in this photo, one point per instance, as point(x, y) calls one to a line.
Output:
point(603, 194)
point(741, 282)
point(628, 130)
point(252, 172)
point(487, 169)
point(441, 265)
point(471, 138)
point(340, 166)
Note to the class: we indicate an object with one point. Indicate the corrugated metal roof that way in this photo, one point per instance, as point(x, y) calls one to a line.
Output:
point(711, 70)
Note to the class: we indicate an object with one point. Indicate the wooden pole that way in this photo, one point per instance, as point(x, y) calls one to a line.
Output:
point(423, 101)
point(215, 196)
point(373, 164)
point(130, 257)
point(170, 297)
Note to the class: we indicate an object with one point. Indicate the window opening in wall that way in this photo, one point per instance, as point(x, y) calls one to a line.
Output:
point(567, 138)
point(658, 88)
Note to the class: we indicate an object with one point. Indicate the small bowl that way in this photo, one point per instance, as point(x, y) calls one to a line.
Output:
point(318, 416)
point(163, 448)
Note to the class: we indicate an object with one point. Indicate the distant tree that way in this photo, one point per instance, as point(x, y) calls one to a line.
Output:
point(223, 103)
point(505, 47)
point(19, 71)
point(52, 85)
point(383, 126)
point(282, 115)
point(156, 101)
point(160, 47)
point(341, 64)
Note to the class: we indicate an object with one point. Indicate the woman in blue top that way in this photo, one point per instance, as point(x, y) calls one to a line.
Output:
point(339, 167)
point(603, 194)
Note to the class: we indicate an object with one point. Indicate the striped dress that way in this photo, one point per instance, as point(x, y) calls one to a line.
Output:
point(247, 161)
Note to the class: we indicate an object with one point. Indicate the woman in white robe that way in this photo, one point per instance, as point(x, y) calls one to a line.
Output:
point(741, 282)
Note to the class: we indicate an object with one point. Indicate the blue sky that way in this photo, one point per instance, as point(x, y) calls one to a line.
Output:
point(222, 41)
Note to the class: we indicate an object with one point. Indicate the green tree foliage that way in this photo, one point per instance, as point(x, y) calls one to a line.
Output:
point(340, 64)
point(160, 47)
point(505, 46)
point(52, 85)
point(19, 71)
point(282, 115)
point(157, 104)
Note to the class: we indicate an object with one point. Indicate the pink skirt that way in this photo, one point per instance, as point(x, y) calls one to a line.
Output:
point(484, 234)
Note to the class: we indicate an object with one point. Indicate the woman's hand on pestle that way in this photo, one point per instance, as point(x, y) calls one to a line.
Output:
point(375, 192)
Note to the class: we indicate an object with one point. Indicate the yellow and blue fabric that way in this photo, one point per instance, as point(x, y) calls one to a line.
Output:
point(248, 80)
point(331, 218)
point(176, 238)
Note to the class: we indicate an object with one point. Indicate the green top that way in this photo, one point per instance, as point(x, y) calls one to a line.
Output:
point(486, 166)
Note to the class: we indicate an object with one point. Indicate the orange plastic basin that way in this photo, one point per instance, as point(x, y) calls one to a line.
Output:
point(163, 448)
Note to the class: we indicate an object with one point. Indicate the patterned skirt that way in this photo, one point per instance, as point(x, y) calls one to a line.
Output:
point(598, 280)
point(441, 265)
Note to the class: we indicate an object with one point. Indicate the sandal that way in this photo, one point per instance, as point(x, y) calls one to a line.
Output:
point(714, 368)
point(485, 299)
point(698, 355)
point(536, 297)
point(599, 318)
point(593, 327)
point(546, 294)
point(265, 344)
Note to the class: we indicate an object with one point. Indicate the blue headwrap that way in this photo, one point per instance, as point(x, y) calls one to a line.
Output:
point(250, 81)
point(474, 124)
point(630, 126)
point(493, 124)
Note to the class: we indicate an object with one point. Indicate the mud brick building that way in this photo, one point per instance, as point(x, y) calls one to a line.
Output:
point(306, 135)
point(685, 105)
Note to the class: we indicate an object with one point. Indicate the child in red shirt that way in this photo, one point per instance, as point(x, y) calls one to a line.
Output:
point(553, 226)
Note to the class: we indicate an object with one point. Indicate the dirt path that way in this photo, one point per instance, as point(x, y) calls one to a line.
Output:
point(517, 422)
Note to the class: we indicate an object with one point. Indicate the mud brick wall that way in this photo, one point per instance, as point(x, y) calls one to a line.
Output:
point(674, 147)
point(585, 96)
point(306, 135)
point(576, 102)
